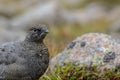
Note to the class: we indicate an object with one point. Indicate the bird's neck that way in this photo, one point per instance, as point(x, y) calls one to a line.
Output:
point(28, 39)
point(30, 42)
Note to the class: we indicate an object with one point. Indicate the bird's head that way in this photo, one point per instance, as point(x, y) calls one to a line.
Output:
point(37, 34)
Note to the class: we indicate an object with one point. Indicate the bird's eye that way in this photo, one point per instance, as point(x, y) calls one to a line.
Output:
point(35, 30)
point(39, 30)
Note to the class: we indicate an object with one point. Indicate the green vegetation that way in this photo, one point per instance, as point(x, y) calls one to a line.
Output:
point(73, 72)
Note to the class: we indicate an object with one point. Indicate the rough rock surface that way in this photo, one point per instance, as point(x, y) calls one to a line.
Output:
point(90, 49)
point(25, 60)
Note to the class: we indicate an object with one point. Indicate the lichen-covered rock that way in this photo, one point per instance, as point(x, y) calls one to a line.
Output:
point(90, 49)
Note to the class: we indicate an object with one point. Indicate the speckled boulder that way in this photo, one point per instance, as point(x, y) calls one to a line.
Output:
point(90, 49)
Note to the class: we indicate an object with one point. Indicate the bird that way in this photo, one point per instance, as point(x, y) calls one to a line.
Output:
point(27, 59)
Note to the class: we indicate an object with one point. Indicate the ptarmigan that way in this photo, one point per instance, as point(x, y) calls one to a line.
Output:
point(27, 59)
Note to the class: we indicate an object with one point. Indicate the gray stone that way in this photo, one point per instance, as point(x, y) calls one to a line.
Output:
point(27, 59)
point(46, 13)
point(90, 49)
point(10, 8)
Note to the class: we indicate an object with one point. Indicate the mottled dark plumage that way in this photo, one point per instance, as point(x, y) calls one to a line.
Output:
point(25, 60)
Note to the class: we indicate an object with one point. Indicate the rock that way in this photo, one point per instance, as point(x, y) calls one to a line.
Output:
point(89, 14)
point(10, 8)
point(90, 49)
point(27, 59)
point(46, 13)
point(7, 33)
point(53, 13)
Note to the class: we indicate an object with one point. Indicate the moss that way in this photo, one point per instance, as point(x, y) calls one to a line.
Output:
point(73, 72)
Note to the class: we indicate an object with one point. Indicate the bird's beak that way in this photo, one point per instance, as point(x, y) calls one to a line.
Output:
point(46, 31)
